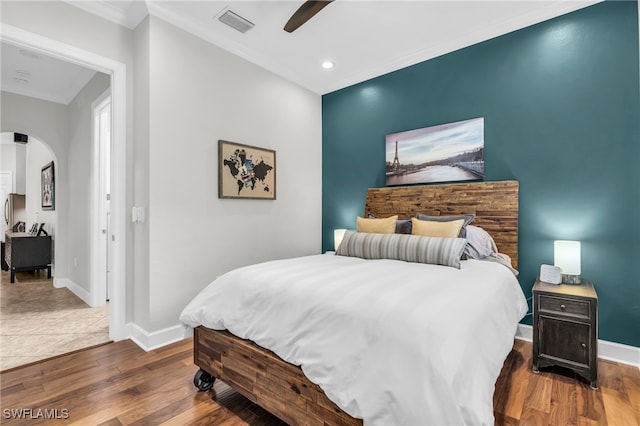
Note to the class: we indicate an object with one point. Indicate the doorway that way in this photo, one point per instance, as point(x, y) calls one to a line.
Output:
point(117, 232)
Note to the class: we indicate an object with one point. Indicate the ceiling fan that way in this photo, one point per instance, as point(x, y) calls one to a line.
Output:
point(304, 13)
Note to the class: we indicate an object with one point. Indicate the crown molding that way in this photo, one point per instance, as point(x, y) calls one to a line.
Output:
point(129, 16)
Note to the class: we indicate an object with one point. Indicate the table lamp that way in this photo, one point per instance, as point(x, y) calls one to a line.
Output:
point(338, 234)
point(566, 256)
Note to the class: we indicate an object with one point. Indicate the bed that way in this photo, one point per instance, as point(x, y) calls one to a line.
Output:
point(404, 343)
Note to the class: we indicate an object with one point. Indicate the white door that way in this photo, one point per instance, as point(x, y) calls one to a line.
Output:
point(102, 190)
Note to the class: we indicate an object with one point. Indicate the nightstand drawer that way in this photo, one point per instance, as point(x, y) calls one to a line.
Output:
point(558, 305)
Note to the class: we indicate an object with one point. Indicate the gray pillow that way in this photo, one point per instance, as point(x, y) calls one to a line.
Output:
point(466, 217)
point(479, 243)
point(403, 226)
point(481, 246)
point(410, 248)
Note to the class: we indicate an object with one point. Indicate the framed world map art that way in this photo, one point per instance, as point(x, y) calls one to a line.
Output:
point(246, 171)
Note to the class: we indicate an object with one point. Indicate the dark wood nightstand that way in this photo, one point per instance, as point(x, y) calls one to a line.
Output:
point(565, 328)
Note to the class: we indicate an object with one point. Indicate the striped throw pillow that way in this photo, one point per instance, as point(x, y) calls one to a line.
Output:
point(410, 248)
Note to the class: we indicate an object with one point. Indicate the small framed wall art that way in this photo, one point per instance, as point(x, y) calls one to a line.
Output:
point(246, 171)
point(48, 185)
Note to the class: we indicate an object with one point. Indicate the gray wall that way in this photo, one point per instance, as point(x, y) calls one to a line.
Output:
point(80, 162)
point(199, 93)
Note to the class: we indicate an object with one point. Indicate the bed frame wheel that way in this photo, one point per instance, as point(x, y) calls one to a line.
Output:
point(203, 380)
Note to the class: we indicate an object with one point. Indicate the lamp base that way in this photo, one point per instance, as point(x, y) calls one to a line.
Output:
point(570, 279)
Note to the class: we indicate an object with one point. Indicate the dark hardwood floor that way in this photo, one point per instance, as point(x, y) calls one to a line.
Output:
point(120, 384)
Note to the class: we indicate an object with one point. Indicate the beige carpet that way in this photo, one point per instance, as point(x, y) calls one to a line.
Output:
point(38, 321)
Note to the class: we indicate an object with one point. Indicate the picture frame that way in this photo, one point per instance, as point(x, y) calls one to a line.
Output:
point(443, 153)
point(48, 187)
point(246, 171)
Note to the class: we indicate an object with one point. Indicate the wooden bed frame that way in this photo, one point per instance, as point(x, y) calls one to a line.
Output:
point(282, 388)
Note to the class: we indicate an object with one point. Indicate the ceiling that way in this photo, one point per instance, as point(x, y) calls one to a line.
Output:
point(363, 38)
point(32, 74)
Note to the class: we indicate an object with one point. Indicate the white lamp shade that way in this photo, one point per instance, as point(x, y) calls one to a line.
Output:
point(338, 234)
point(566, 256)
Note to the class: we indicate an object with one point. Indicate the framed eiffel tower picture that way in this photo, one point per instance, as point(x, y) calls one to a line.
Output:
point(443, 153)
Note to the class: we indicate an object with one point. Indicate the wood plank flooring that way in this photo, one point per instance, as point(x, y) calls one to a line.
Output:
point(120, 384)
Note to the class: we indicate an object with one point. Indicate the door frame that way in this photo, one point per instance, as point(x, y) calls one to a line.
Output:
point(117, 71)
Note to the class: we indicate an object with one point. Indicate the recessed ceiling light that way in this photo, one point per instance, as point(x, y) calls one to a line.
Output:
point(327, 65)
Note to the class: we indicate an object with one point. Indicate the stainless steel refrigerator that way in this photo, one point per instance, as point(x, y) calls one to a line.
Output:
point(14, 207)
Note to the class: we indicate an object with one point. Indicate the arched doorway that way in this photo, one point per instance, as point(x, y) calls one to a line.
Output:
point(43, 314)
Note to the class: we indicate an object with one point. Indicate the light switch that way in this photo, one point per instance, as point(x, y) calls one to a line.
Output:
point(141, 214)
point(138, 214)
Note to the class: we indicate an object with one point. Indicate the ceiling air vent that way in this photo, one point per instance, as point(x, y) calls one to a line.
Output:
point(235, 21)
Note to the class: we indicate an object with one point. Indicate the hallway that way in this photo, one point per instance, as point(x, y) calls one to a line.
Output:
point(38, 321)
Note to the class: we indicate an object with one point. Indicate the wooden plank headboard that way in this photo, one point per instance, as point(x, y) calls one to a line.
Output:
point(495, 205)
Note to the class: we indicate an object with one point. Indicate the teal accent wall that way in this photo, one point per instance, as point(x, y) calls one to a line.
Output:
point(561, 103)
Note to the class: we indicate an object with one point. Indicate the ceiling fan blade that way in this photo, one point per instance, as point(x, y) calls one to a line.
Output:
point(304, 13)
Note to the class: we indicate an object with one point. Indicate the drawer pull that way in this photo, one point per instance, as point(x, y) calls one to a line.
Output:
point(584, 345)
point(563, 307)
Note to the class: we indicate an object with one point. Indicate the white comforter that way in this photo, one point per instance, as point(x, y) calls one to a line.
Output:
point(391, 342)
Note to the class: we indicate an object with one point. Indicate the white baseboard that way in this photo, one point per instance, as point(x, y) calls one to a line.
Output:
point(146, 340)
point(73, 288)
point(152, 340)
point(524, 332)
point(610, 351)
point(156, 339)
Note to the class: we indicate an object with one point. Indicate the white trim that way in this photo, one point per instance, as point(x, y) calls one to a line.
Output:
point(117, 70)
point(611, 351)
point(524, 332)
point(6, 138)
point(75, 289)
point(128, 14)
point(156, 339)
